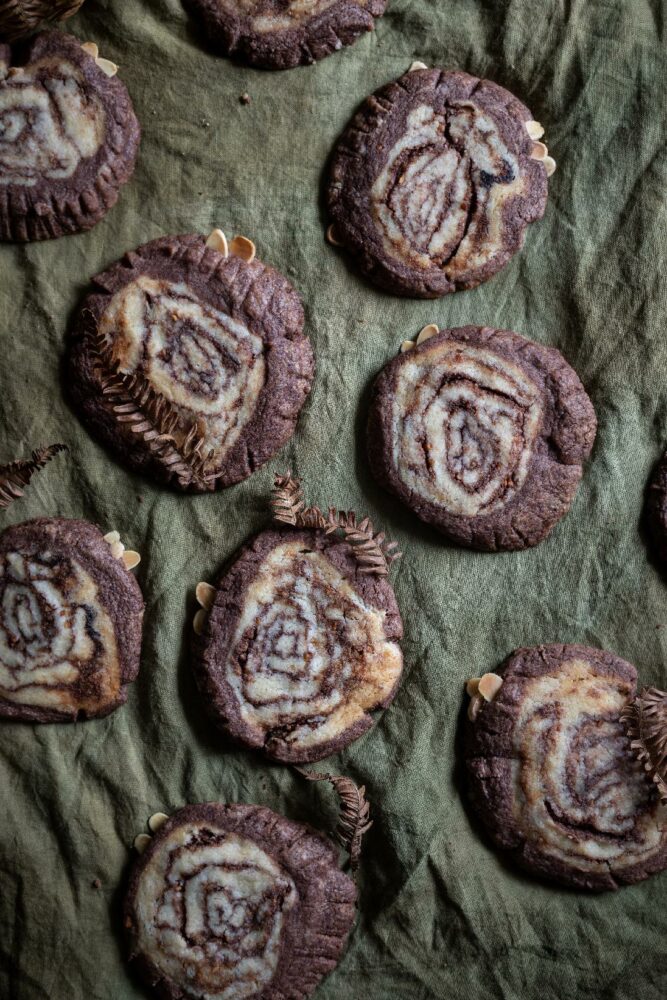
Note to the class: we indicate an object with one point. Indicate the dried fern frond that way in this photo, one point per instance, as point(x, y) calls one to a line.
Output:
point(354, 816)
point(20, 17)
point(645, 719)
point(152, 416)
point(15, 477)
point(373, 553)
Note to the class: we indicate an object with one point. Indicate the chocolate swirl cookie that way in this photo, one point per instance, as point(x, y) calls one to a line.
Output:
point(209, 348)
point(68, 139)
point(280, 34)
point(70, 623)
point(235, 901)
point(299, 647)
point(434, 182)
point(552, 774)
point(482, 434)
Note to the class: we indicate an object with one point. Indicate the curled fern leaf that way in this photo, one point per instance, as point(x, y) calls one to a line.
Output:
point(354, 816)
point(17, 475)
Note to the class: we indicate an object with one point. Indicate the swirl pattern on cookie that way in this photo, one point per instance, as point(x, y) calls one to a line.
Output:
point(310, 654)
point(433, 185)
point(49, 122)
point(577, 804)
point(234, 901)
point(60, 652)
point(482, 434)
point(209, 365)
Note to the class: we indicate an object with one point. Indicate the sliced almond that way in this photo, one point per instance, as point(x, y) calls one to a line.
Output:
point(198, 621)
point(157, 821)
point(428, 332)
point(417, 65)
point(205, 594)
point(242, 247)
point(534, 130)
point(549, 165)
point(107, 66)
point(91, 48)
point(218, 241)
point(112, 537)
point(474, 707)
point(407, 345)
point(472, 686)
point(141, 842)
point(331, 236)
point(131, 558)
point(540, 151)
point(489, 686)
point(117, 549)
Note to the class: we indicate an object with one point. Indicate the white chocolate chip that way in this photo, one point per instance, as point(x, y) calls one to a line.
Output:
point(331, 236)
point(540, 151)
point(205, 594)
point(112, 537)
point(157, 821)
point(417, 65)
point(407, 345)
point(549, 165)
point(534, 130)
point(489, 686)
point(107, 67)
point(472, 686)
point(91, 48)
point(218, 241)
point(242, 247)
point(141, 842)
point(198, 621)
point(131, 558)
point(428, 332)
point(474, 707)
point(117, 549)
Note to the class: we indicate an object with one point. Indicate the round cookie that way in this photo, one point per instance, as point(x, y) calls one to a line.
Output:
point(434, 182)
point(236, 901)
point(280, 34)
point(656, 507)
point(68, 139)
point(215, 365)
point(299, 647)
point(70, 623)
point(482, 433)
point(553, 777)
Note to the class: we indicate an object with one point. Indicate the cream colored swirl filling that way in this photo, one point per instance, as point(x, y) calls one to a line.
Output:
point(49, 122)
point(267, 15)
point(438, 200)
point(211, 906)
point(57, 643)
point(309, 657)
point(577, 788)
point(207, 364)
point(464, 424)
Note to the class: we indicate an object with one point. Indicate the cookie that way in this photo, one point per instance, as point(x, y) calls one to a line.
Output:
point(19, 18)
point(552, 774)
point(70, 622)
point(236, 901)
point(68, 138)
point(191, 366)
point(656, 508)
point(434, 182)
point(482, 434)
point(300, 646)
point(280, 34)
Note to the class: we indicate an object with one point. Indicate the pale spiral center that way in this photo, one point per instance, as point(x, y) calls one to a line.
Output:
point(211, 906)
point(207, 364)
point(49, 123)
point(309, 656)
point(269, 15)
point(57, 642)
point(577, 788)
point(464, 426)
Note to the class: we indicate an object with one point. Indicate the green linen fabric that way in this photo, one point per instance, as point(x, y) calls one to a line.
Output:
point(441, 915)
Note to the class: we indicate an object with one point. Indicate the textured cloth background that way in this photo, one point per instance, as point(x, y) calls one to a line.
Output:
point(441, 915)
